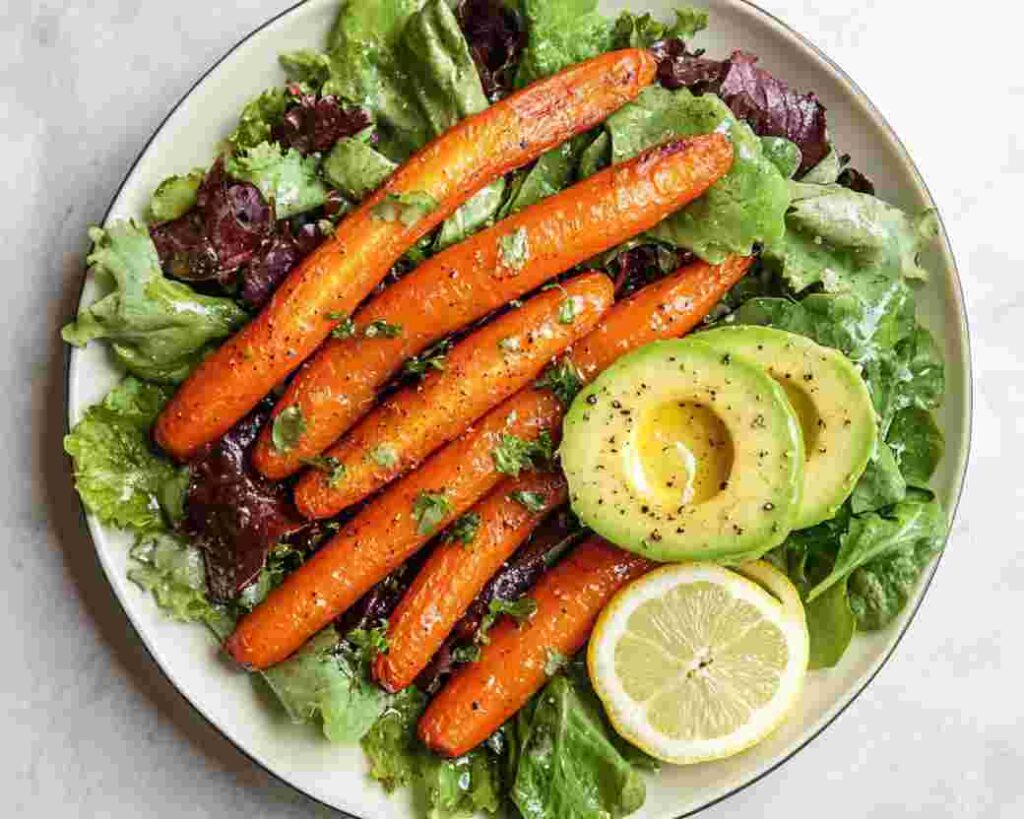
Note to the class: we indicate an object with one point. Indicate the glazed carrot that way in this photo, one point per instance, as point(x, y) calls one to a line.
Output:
point(467, 281)
point(515, 663)
point(385, 533)
point(479, 373)
point(455, 573)
point(419, 196)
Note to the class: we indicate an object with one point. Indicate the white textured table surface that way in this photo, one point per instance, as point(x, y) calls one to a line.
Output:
point(89, 727)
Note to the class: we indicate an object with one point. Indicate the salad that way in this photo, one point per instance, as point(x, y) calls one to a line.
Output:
point(522, 394)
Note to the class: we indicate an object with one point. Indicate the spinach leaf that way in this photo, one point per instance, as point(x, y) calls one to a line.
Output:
point(915, 525)
point(881, 485)
point(746, 206)
point(917, 444)
point(118, 475)
point(158, 328)
point(327, 679)
point(831, 624)
point(568, 764)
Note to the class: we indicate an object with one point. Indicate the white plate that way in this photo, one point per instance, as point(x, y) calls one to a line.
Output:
point(337, 775)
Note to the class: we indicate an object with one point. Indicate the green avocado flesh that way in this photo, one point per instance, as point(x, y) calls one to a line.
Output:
point(679, 451)
point(832, 402)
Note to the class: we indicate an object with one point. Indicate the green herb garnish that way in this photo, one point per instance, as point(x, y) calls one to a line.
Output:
point(531, 501)
point(514, 249)
point(563, 379)
point(429, 509)
point(513, 454)
point(464, 529)
point(379, 328)
point(288, 428)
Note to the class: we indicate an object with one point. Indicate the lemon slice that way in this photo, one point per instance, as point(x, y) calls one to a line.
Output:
point(695, 662)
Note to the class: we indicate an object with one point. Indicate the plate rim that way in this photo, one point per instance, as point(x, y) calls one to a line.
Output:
point(963, 455)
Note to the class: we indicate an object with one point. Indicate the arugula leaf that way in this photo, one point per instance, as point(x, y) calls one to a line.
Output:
point(355, 168)
point(175, 196)
point(326, 679)
point(513, 454)
point(464, 529)
point(258, 119)
point(568, 764)
point(916, 443)
point(158, 329)
point(746, 206)
point(561, 34)
point(563, 379)
point(118, 475)
point(429, 510)
point(172, 571)
point(286, 178)
point(916, 525)
point(288, 428)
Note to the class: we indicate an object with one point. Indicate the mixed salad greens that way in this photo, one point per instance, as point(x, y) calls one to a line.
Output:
point(834, 263)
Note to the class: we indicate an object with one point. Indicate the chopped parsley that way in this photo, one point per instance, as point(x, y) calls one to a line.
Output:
point(379, 328)
point(466, 654)
point(384, 455)
point(432, 358)
point(514, 249)
point(464, 529)
point(520, 610)
point(555, 662)
point(371, 642)
point(569, 309)
point(329, 465)
point(429, 509)
point(513, 454)
point(407, 208)
point(288, 428)
point(531, 501)
point(346, 328)
point(563, 379)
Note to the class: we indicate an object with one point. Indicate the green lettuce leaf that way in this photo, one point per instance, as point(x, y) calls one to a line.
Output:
point(258, 119)
point(746, 206)
point(916, 443)
point(551, 173)
point(159, 329)
point(447, 788)
point(118, 475)
point(175, 196)
point(642, 30)
point(917, 525)
point(173, 572)
point(306, 66)
point(783, 154)
point(561, 34)
point(355, 168)
point(327, 679)
point(285, 178)
point(568, 764)
point(835, 236)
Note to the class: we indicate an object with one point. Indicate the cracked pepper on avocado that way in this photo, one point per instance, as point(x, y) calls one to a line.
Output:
point(520, 385)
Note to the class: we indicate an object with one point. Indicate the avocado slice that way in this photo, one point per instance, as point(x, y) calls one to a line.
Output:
point(830, 399)
point(679, 451)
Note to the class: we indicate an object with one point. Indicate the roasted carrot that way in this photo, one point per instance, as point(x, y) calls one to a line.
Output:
point(419, 196)
point(517, 660)
point(456, 571)
point(467, 281)
point(385, 533)
point(479, 373)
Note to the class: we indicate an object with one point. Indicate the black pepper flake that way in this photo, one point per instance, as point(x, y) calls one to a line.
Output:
point(591, 399)
point(616, 403)
point(769, 506)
